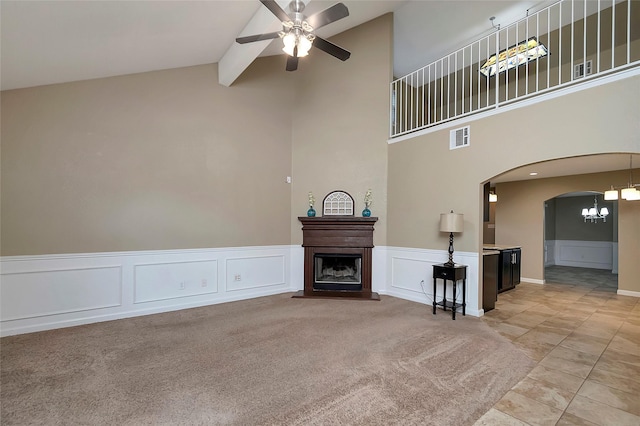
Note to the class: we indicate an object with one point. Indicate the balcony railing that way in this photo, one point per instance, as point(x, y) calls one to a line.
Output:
point(565, 43)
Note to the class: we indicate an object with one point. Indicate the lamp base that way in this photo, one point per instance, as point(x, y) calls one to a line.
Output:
point(449, 264)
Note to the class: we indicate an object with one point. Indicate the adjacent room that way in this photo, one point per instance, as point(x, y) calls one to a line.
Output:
point(320, 212)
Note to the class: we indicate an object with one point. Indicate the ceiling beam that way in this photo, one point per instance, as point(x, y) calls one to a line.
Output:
point(239, 56)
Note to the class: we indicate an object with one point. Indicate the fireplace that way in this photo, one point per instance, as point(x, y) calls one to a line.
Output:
point(337, 257)
point(340, 272)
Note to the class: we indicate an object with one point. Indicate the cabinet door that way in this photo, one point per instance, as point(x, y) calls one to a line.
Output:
point(505, 281)
point(515, 267)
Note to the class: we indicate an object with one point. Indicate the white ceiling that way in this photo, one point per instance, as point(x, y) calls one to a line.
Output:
point(47, 42)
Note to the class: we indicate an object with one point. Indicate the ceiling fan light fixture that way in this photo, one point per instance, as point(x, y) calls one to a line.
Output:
point(289, 41)
point(304, 44)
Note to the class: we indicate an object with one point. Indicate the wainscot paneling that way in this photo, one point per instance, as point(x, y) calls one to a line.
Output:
point(54, 291)
point(584, 254)
point(171, 280)
point(246, 273)
point(410, 276)
point(41, 293)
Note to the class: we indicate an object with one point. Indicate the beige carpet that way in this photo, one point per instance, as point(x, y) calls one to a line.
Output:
point(271, 360)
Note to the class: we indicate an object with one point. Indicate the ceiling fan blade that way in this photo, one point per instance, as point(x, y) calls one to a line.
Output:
point(276, 10)
point(292, 61)
point(257, 37)
point(329, 15)
point(331, 49)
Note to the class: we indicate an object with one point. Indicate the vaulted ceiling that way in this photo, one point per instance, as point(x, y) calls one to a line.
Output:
point(45, 42)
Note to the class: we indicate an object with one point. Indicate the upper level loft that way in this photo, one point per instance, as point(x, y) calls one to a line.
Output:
point(567, 43)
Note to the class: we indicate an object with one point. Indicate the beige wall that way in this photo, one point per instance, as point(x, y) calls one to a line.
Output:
point(340, 125)
point(520, 216)
point(160, 160)
point(171, 159)
point(426, 178)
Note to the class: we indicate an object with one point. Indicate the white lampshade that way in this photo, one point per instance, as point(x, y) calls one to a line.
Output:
point(604, 211)
point(585, 212)
point(633, 195)
point(627, 192)
point(493, 197)
point(593, 211)
point(612, 194)
point(451, 222)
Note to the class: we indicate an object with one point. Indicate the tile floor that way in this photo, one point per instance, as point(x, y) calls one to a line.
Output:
point(586, 341)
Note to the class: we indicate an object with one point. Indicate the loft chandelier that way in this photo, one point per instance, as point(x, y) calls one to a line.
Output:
point(592, 214)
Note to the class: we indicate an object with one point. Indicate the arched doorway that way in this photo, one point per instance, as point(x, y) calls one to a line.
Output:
point(577, 250)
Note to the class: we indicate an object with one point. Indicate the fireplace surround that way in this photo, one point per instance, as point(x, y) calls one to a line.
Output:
point(337, 257)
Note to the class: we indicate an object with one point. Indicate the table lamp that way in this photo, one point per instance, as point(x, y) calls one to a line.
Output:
point(451, 222)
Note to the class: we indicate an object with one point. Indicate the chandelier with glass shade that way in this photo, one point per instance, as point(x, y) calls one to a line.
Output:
point(593, 214)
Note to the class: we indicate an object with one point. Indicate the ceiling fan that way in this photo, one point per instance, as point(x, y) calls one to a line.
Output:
point(298, 31)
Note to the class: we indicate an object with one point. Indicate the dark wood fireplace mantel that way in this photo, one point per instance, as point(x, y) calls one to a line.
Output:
point(339, 235)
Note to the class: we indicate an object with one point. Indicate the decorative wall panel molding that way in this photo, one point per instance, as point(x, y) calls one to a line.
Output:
point(41, 293)
point(584, 254)
point(410, 275)
point(259, 271)
point(54, 291)
point(169, 280)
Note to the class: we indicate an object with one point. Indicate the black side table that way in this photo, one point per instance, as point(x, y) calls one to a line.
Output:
point(454, 274)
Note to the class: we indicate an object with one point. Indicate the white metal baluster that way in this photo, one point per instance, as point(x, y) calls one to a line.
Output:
point(411, 102)
point(613, 32)
point(479, 62)
point(573, 18)
point(516, 74)
point(497, 73)
point(628, 31)
point(422, 101)
point(455, 86)
point(537, 56)
point(548, 46)
point(463, 68)
point(526, 77)
point(448, 86)
point(404, 100)
point(441, 89)
point(429, 96)
point(560, 43)
point(598, 42)
point(584, 44)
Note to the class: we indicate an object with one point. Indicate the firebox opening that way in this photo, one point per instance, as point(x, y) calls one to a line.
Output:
point(341, 272)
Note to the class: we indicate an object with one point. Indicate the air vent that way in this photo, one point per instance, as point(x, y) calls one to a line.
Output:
point(459, 138)
point(582, 69)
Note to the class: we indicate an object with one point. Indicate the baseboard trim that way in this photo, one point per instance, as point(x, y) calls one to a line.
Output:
point(628, 293)
point(532, 281)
